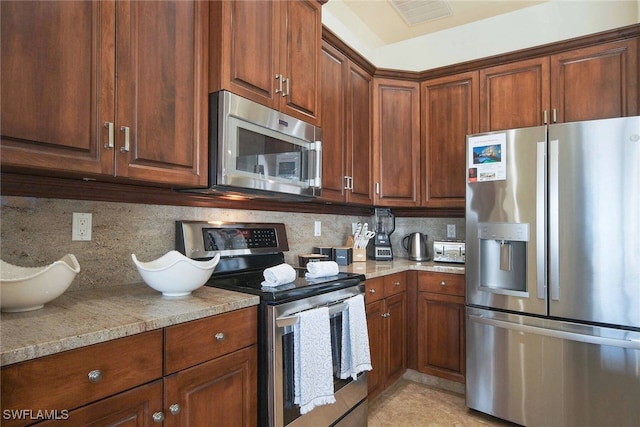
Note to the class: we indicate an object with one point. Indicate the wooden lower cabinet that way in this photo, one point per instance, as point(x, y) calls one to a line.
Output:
point(387, 321)
point(223, 389)
point(121, 382)
point(441, 334)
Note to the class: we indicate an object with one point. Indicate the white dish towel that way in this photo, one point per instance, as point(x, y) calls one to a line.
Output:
point(356, 356)
point(278, 275)
point(322, 269)
point(313, 366)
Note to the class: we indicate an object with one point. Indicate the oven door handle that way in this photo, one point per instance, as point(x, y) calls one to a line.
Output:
point(285, 321)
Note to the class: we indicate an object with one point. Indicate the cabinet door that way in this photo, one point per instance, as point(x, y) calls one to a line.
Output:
point(300, 46)
point(162, 93)
point(334, 150)
point(396, 142)
point(596, 82)
point(376, 377)
point(514, 95)
point(58, 81)
point(441, 350)
point(449, 113)
point(396, 337)
point(359, 156)
point(134, 408)
point(222, 389)
point(244, 49)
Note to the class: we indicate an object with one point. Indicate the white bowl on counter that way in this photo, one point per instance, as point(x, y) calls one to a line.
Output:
point(174, 274)
point(30, 288)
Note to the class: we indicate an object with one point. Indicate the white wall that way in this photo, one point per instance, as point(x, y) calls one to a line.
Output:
point(537, 25)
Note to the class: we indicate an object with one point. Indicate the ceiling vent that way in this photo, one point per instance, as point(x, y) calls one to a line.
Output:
point(416, 12)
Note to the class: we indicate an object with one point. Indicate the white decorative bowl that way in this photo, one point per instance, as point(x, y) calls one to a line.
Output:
point(174, 274)
point(30, 288)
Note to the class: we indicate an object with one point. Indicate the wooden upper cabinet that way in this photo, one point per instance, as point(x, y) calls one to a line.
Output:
point(514, 95)
point(346, 129)
point(106, 89)
point(597, 82)
point(396, 142)
point(449, 112)
point(269, 52)
point(58, 80)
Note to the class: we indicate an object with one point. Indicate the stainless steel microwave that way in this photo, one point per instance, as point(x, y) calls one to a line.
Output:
point(258, 152)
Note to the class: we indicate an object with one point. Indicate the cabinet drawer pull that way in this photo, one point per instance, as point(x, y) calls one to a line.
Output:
point(443, 283)
point(372, 291)
point(219, 336)
point(110, 130)
point(396, 284)
point(279, 78)
point(95, 375)
point(174, 409)
point(126, 131)
point(287, 82)
point(158, 417)
point(385, 315)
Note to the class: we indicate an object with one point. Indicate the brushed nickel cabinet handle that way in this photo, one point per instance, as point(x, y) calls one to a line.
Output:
point(396, 283)
point(279, 78)
point(219, 336)
point(95, 375)
point(158, 417)
point(287, 82)
point(174, 409)
point(110, 130)
point(443, 283)
point(126, 131)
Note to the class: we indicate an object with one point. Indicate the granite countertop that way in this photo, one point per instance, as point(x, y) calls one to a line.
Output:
point(80, 318)
point(85, 317)
point(373, 269)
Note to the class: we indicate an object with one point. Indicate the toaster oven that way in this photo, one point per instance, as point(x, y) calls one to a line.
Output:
point(449, 251)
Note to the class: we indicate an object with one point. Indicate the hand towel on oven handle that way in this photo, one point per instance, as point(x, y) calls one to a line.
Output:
point(356, 356)
point(313, 365)
point(278, 275)
point(322, 269)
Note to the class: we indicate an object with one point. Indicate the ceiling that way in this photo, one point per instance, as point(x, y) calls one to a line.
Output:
point(384, 20)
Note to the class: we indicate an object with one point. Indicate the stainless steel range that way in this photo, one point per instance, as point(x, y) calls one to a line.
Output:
point(246, 250)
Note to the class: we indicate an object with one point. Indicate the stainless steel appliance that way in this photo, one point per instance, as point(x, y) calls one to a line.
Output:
point(384, 224)
point(552, 271)
point(246, 250)
point(258, 152)
point(449, 251)
point(416, 246)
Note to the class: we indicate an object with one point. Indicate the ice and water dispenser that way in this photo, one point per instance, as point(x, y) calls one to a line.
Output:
point(503, 257)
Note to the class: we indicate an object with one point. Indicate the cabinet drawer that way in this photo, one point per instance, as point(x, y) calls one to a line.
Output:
point(374, 290)
point(191, 343)
point(63, 381)
point(442, 283)
point(394, 284)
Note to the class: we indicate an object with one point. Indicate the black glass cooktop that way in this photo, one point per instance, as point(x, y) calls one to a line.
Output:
point(251, 282)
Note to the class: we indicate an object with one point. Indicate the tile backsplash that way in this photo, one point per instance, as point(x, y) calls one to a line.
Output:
point(37, 232)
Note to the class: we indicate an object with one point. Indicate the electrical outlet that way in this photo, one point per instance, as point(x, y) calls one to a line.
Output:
point(81, 227)
point(317, 229)
point(451, 231)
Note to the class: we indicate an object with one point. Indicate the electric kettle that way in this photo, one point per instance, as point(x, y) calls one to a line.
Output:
point(416, 246)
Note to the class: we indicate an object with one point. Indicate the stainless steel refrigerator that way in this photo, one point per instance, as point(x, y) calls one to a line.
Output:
point(553, 274)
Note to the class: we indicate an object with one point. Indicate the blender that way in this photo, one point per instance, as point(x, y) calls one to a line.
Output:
point(384, 224)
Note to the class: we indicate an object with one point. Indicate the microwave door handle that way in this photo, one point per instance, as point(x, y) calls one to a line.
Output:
point(317, 180)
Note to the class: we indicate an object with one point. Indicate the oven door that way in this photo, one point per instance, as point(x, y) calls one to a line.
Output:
point(349, 394)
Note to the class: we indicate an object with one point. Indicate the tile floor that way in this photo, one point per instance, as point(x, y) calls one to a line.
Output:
point(411, 404)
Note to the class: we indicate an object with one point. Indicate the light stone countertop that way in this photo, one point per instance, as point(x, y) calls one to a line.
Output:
point(80, 318)
point(373, 269)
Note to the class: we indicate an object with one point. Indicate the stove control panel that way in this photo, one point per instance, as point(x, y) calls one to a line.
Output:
point(203, 239)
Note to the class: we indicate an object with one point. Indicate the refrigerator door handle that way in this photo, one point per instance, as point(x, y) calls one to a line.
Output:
point(572, 336)
point(541, 219)
point(554, 234)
